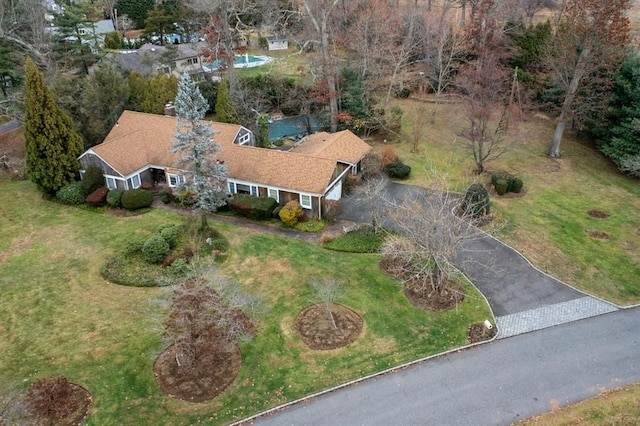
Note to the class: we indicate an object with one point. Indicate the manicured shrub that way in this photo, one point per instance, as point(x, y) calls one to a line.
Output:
point(155, 249)
point(97, 198)
point(476, 201)
point(166, 195)
point(253, 207)
point(313, 225)
point(71, 194)
point(169, 234)
point(133, 246)
point(291, 213)
point(398, 170)
point(92, 180)
point(113, 197)
point(501, 185)
point(501, 178)
point(136, 199)
point(516, 185)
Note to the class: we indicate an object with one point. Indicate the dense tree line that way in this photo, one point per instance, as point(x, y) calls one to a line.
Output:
point(361, 54)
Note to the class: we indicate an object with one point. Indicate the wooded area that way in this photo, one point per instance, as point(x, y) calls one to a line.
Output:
point(498, 59)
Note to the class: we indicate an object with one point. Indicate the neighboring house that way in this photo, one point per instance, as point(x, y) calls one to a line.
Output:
point(175, 60)
point(90, 33)
point(277, 43)
point(138, 150)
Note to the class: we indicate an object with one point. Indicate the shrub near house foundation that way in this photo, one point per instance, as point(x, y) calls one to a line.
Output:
point(136, 199)
point(253, 207)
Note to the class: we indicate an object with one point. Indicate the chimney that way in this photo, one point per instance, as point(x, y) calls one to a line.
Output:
point(170, 110)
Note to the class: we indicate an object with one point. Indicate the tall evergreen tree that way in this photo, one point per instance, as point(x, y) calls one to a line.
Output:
point(225, 109)
point(194, 141)
point(52, 144)
point(103, 99)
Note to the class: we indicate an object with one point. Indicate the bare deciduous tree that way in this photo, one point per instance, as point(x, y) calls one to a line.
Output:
point(370, 194)
point(206, 315)
point(327, 292)
point(483, 84)
point(319, 12)
point(590, 39)
point(431, 236)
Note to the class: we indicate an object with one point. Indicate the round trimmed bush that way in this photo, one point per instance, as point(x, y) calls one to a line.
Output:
point(92, 180)
point(136, 199)
point(476, 201)
point(501, 185)
point(398, 170)
point(113, 197)
point(516, 185)
point(155, 249)
point(71, 194)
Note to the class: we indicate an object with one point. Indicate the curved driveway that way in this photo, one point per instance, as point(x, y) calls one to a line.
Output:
point(522, 297)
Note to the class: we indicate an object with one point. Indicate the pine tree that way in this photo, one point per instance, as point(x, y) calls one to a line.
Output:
point(52, 144)
point(225, 109)
point(194, 141)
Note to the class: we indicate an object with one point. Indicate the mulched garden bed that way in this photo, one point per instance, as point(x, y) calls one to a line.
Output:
point(450, 294)
point(49, 401)
point(317, 331)
point(208, 376)
point(598, 235)
point(477, 332)
point(598, 214)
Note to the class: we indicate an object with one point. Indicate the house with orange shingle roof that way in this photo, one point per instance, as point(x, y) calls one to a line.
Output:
point(138, 150)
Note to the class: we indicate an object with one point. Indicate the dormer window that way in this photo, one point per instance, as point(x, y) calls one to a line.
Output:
point(244, 139)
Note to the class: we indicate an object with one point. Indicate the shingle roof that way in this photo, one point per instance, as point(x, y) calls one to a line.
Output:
point(341, 146)
point(140, 139)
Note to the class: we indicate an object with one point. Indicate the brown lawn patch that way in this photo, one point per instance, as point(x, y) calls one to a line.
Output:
point(598, 214)
point(598, 235)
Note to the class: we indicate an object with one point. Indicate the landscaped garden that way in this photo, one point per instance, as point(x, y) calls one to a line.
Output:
point(61, 317)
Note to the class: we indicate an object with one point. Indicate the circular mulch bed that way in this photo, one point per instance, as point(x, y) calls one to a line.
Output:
point(477, 332)
point(448, 297)
point(316, 329)
point(598, 214)
point(598, 235)
point(68, 407)
point(211, 373)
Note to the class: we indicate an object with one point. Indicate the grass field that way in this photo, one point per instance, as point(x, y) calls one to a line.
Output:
point(549, 223)
point(618, 407)
point(58, 316)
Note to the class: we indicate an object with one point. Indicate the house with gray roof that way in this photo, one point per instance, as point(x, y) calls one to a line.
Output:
point(173, 59)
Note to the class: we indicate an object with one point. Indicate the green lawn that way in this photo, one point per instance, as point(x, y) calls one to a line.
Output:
point(549, 222)
point(58, 316)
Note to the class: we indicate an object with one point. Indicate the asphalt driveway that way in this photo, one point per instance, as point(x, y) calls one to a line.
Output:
point(521, 296)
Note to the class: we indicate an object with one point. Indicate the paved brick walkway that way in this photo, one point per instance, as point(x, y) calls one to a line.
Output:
point(548, 316)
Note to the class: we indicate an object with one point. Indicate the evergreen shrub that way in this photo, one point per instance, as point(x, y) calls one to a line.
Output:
point(516, 185)
point(253, 207)
point(170, 234)
point(398, 170)
point(92, 180)
point(133, 199)
point(476, 201)
point(155, 249)
point(71, 194)
point(113, 197)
